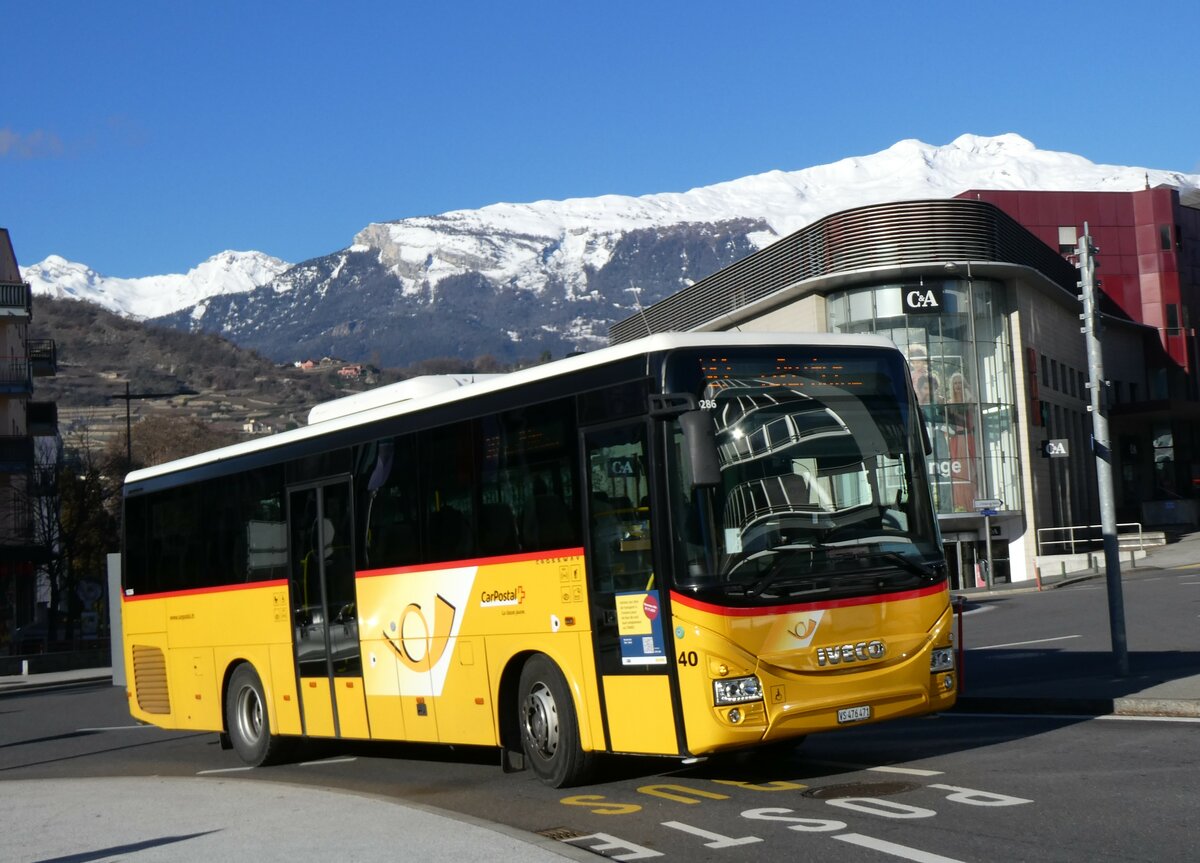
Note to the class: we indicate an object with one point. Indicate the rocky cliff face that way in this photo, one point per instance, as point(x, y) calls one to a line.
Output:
point(467, 295)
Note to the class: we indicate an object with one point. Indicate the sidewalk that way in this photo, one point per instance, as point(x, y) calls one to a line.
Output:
point(1160, 684)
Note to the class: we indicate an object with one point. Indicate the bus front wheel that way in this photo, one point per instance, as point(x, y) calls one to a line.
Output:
point(549, 727)
point(247, 720)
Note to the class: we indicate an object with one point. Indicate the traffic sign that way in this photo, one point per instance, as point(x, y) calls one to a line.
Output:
point(987, 513)
point(989, 503)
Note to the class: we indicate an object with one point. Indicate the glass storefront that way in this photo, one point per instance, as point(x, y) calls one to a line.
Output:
point(961, 365)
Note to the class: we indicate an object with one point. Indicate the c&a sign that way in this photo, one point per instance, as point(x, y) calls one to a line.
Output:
point(922, 299)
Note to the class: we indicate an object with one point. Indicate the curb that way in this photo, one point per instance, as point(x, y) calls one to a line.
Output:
point(1179, 708)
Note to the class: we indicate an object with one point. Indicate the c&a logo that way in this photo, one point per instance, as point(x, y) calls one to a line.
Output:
point(493, 598)
point(923, 300)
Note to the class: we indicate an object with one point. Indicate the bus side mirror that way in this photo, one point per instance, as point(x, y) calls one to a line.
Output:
point(701, 445)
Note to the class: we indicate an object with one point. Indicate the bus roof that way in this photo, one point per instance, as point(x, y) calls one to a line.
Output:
point(382, 403)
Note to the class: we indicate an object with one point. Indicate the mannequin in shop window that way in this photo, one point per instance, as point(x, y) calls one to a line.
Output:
point(960, 421)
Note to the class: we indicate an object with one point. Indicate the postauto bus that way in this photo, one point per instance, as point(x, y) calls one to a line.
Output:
point(681, 546)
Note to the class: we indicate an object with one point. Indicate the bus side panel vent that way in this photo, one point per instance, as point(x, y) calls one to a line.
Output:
point(150, 679)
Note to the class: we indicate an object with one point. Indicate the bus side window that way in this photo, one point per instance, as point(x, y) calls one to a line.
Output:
point(390, 527)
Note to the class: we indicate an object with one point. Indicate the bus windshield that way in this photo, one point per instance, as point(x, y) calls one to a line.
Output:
point(822, 491)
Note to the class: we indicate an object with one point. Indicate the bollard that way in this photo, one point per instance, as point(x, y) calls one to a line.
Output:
point(24, 667)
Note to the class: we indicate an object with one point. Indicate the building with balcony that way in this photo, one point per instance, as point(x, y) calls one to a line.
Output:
point(981, 293)
point(28, 440)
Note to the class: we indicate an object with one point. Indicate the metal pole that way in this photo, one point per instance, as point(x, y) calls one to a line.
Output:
point(1102, 447)
point(128, 434)
point(987, 532)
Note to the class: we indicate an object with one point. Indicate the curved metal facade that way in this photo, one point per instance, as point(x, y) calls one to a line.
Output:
point(866, 238)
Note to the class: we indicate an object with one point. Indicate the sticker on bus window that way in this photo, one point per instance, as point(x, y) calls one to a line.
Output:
point(639, 624)
point(733, 540)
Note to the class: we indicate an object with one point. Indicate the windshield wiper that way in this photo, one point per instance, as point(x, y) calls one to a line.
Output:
point(916, 567)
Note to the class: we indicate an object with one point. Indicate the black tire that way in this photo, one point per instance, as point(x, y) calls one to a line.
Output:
point(549, 728)
point(247, 720)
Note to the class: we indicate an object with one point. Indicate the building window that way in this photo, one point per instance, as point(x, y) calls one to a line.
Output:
point(1164, 237)
point(1067, 239)
point(1172, 319)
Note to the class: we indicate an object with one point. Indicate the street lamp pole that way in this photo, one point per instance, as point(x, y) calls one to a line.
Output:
point(1102, 448)
point(129, 397)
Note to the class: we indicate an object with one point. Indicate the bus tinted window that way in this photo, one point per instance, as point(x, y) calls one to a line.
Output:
point(223, 531)
point(499, 485)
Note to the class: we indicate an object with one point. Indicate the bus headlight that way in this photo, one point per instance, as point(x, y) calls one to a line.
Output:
point(737, 690)
point(941, 659)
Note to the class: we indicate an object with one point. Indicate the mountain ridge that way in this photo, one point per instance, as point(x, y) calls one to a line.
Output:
point(520, 280)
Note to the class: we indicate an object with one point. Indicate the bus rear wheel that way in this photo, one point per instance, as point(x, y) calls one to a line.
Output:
point(247, 720)
point(549, 727)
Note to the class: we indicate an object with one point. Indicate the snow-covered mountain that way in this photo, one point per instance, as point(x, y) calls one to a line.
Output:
point(516, 280)
point(153, 296)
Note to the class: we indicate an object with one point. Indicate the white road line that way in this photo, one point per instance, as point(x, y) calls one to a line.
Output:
point(849, 765)
point(1023, 643)
point(224, 770)
point(892, 848)
point(908, 771)
point(1194, 719)
point(326, 761)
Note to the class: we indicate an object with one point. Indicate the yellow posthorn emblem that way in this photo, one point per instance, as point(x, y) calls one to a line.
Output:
point(803, 631)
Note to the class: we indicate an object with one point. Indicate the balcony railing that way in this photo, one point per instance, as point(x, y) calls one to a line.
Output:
point(43, 357)
point(15, 376)
point(16, 299)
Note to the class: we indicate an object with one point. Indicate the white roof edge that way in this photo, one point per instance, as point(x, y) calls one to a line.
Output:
point(646, 345)
point(401, 391)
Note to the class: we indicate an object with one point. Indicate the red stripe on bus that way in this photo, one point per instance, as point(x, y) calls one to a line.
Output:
point(474, 561)
point(877, 599)
point(197, 591)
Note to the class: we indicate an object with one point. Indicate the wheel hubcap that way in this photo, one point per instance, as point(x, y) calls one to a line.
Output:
point(250, 715)
point(541, 720)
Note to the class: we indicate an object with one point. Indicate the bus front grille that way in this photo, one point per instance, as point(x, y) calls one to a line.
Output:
point(150, 679)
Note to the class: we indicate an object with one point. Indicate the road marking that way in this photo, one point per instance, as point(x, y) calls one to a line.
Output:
point(1023, 643)
point(908, 771)
point(849, 765)
point(717, 840)
point(224, 770)
point(326, 761)
point(892, 848)
point(1188, 582)
point(1195, 719)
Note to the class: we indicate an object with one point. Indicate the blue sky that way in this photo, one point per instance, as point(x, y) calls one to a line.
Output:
point(140, 138)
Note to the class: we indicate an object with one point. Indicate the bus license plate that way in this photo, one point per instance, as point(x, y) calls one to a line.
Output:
point(854, 714)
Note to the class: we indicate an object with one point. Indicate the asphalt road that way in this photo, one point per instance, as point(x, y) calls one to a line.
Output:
point(953, 787)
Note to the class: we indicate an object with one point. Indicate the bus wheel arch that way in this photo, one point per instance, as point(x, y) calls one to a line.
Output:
point(548, 724)
point(248, 718)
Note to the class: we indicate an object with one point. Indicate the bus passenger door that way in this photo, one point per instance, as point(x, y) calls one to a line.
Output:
point(632, 657)
point(325, 615)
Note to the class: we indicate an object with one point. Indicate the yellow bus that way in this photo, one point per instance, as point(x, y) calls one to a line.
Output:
point(681, 546)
